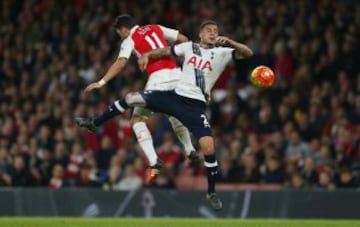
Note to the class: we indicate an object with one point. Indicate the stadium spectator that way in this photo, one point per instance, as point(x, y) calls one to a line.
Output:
point(249, 172)
point(296, 148)
point(131, 181)
point(309, 171)
point(346, 179)
point(325, 182)
point(113, 180)
point(227, 171)
point(58, 179)
point(273, 172)
point(297, 182)
point(89, 173)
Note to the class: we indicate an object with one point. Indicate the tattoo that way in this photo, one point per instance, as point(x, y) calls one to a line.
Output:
point(159, 53)
point(242, 50)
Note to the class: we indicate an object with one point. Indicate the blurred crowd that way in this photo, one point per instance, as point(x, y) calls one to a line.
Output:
point(303, 133)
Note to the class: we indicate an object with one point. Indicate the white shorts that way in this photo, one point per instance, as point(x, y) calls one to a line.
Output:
point(162, 80)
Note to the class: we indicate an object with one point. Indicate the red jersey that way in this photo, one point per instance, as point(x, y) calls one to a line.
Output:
point(143, 39)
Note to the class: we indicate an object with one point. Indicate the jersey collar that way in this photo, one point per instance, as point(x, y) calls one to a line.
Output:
point(132, 30)
point(209, 48)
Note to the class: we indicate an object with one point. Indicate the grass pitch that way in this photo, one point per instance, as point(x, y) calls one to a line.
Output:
point(168, 222)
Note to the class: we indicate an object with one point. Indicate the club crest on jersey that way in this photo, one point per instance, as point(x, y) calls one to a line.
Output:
point(199, 63)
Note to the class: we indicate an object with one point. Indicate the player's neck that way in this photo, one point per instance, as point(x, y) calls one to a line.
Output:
point(206, 45)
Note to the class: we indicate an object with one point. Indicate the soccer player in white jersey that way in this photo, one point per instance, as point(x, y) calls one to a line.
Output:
point(163, 74)
point(202, 66)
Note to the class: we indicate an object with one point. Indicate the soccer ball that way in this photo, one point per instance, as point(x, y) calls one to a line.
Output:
point(262, 77)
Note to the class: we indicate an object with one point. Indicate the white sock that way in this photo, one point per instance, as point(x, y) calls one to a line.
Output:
point(145, 140)
point(182, 134)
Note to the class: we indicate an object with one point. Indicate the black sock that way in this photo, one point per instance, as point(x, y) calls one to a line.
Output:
point(122, 104)
point(211, 166)
point(117, 108)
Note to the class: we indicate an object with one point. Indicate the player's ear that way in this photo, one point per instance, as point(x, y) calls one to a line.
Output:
point(127, 31)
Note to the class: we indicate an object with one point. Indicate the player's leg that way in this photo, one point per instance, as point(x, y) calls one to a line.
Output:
point(192, 114)
point(118, 107)
point(166, 80)
point(159, 99)
point(211, 165)
point(144, 138)
point(143, 135)
point(183, 135)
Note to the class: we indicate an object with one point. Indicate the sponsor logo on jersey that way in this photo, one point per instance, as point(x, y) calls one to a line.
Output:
point(199, 63)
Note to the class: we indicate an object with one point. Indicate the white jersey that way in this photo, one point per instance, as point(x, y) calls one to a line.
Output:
point(201, 69)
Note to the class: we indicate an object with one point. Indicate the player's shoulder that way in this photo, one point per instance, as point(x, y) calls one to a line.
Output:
point(127, 42)
point(186, 46)
point(151, 27)
point(221, 49)
point(142, 30)
point(189, 44)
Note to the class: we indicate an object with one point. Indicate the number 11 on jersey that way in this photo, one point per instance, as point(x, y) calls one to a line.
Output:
point(154, 41)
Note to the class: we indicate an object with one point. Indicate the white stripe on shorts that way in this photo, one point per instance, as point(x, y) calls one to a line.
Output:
point(208, 164)
point(118, 106)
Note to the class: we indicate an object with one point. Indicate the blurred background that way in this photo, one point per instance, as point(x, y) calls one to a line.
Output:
point(303, 133)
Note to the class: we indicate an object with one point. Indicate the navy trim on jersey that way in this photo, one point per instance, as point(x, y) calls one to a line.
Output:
point(172, 51)
point(200, 82)
point(199, 75)
point(233, 53)
point(196, 49)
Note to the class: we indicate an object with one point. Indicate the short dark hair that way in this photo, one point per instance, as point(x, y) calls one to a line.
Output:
point(124, 20)
point(207, 22)
point(345, 170)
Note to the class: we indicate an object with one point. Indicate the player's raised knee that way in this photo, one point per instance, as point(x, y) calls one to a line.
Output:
point(136, 119)
point(134, 99)
point(207, 145)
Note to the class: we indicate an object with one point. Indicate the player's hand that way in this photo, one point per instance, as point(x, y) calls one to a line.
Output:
point(222, 40)
point(92, 86)
point(143, 61)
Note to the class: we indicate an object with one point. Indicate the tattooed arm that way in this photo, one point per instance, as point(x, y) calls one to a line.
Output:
point(154, 54)
point(241, 50)
point(159, 53)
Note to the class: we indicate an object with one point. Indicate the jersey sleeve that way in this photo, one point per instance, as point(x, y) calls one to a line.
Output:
point(126, 49)
point(180, 49)
point(169, 33)
point(227, 54)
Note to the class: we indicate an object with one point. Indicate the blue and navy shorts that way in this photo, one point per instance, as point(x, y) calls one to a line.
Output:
point(190, 112)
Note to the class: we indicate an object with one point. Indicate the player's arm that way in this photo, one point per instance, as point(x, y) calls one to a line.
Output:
point(116, 67)
point(173, 35)
point(154, 54)
point(181, 38)
point(159, 53)
point(114, 70)
point(176, 50)
point(241, 50)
